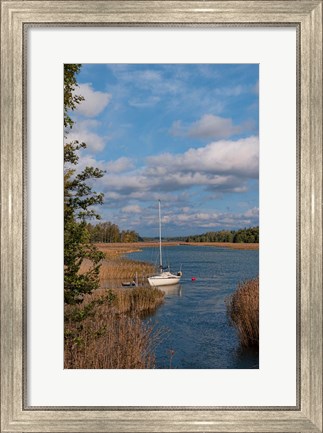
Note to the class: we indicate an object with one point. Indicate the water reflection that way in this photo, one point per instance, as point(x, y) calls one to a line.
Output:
point(172, 290)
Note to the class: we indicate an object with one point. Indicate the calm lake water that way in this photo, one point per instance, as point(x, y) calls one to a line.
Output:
point(194, 313)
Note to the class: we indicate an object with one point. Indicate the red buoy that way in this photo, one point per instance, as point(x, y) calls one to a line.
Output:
point(193, 279)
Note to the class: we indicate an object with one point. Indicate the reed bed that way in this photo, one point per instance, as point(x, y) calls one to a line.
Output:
point(131, 300)
point(115, 250)
point(142, 300)
point(109, 340)
point(106, 330)
point(243, 311)
point(115, 271)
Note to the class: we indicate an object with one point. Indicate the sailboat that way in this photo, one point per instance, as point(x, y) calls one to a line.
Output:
point(163, 278)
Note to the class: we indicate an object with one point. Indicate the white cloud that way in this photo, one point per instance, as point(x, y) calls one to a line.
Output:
point(84, 132)
point(211, 220)
point(114, 168)
point(231, 91)
point(132, 208)
point(252, 213)
point(232, 158)
point(209, 126)
point(119, 165)
point(218, 168)
point(213, 126)
point(90, 161)
point(150, 75)
point(141, 77)
point(93, 141)
point(150, 101)
point(215, 169)
point(187, 222)
point(94, 101)
point(148, 79)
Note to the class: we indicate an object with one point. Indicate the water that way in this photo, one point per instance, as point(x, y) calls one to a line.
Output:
point(194, 313)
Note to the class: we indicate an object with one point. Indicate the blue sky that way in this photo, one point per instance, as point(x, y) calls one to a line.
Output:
point(186, 134)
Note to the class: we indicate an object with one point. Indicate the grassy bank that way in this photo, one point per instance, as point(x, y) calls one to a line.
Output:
point(106, 330)
point(113, 250)
point(243, 310)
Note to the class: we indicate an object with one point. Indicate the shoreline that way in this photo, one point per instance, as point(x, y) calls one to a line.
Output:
point(120, 248)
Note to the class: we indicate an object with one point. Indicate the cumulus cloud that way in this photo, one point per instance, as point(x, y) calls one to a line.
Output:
point(184, 222)
point(93, 141)
point(209, 126)
point(90, 161)
point(213, 126)
point(231, 158)
point(119, 165)
point(94, 101)
point(84, 132)
point(114, 167)
point(212, 220)
point(208, 172)
point(218, 168)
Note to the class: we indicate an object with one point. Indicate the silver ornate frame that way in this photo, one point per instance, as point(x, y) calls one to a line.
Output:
point(306, 17)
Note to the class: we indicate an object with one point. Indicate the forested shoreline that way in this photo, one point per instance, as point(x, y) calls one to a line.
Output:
point(247, 235)
point(107, 232)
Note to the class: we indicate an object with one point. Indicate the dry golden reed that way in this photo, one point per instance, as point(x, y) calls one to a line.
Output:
point(106, 330)
point(243, 310)
point(109, 340)
point(117, 270)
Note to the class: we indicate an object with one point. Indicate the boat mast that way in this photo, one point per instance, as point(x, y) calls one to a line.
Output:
point(160, 248)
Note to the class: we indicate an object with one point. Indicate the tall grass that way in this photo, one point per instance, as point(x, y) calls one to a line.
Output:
point(243, 311)
point(109, 340)
point(142, 300)
point(114, 271)
point(106, 330)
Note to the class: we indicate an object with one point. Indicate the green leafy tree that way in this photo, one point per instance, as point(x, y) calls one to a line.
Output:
point(79, 199)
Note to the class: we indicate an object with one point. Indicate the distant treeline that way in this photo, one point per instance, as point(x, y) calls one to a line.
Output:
point(108, 232)
point(246, 235)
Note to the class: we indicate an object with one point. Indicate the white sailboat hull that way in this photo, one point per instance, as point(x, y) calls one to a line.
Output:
point(164, 279)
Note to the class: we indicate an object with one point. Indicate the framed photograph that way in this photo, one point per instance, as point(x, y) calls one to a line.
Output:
point(202, 124)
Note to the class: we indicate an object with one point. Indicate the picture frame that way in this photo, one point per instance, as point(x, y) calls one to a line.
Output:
point(306, 17)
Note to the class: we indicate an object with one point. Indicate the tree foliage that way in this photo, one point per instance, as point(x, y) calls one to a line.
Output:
point(79, 199)
point(108, 232)
point(246, 235)
point(70, 99)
